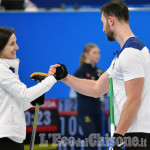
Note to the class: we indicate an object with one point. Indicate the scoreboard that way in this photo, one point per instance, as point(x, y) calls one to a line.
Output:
point(57, 117)
point(47, 118)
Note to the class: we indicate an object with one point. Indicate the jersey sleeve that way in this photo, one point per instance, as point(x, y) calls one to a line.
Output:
point(27, 106)
point(11, 84)
point(132, 64)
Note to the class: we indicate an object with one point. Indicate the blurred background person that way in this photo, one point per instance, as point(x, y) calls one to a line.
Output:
point(89, 112)
point(30, 6)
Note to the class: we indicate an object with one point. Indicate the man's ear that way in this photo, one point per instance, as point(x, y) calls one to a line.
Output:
point(111, 20)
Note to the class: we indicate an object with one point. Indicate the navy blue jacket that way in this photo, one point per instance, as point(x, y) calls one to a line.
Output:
point(88, 105)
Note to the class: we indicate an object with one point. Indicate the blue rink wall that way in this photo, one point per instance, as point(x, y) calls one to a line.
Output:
point(46, 38)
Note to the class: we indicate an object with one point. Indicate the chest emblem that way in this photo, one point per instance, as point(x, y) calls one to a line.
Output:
point(88, 75)
point(114, 64)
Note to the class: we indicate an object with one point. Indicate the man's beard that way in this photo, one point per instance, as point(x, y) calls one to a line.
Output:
point(110, 34)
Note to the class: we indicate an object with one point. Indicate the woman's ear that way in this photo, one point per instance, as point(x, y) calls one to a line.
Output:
point(85, 54)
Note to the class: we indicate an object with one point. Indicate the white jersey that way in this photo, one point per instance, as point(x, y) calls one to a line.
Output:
point(15, 98)
point(132, 61)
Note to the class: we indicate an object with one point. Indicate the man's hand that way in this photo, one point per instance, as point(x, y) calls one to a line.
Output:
point(59, 71)
point(116, 142)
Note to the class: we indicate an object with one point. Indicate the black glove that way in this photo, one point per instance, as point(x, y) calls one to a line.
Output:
point(61, 72)
point(38, 76)
point(39, 100)
point(116, 142)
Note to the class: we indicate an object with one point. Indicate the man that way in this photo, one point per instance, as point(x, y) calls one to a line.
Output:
point(131, 79)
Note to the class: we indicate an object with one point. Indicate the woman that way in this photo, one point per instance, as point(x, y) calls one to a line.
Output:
point(15, 97)
point(89, 116)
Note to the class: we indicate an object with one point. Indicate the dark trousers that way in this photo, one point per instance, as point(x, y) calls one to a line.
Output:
point(8, 144)
point(90, 124)
point(136, 141)
point(139, 141)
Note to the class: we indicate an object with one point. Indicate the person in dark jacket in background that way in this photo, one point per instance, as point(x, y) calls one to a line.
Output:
point(89, 116)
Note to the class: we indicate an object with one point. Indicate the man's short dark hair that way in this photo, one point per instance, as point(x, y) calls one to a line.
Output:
point(117, 9)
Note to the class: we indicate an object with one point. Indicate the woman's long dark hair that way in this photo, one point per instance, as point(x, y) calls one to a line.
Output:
point(5, 34)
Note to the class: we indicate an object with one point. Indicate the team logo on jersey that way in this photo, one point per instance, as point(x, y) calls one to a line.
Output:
point(113, 66)
point(88, 75)
point(87, 119)
point(92, 78)
point(99, 72)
